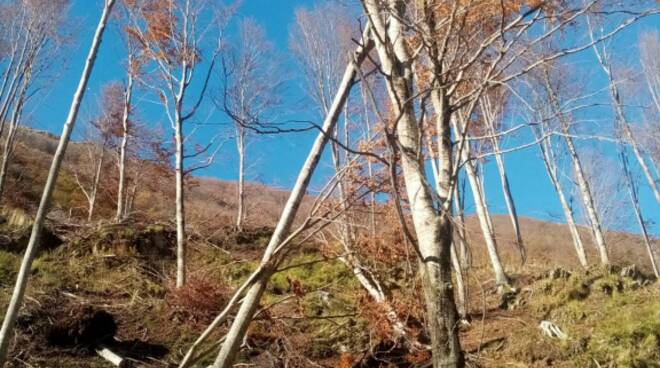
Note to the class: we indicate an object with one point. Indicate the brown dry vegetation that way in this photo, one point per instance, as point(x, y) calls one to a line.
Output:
point(107, 279)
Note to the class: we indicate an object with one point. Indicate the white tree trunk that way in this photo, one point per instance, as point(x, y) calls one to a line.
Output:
point(588, 201)
point(433, 229)
point(124, 143)
point(95, 184)
point(33, 244)
point(250, 302)
point(490, 116)
point(583, 184)
point(240, 146)
point(11, 135)
point(632, 192)
point(551, 169)
point(180, 209)
point(501, 278)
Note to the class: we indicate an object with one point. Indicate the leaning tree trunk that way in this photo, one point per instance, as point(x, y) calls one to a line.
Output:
point(33, 243)
point(632, 191)
point(501, 278)
point(433, 229)
point(269, 264)
point(124, 143)
point(504, 180)
point(551, 169)
point(11, 133)
point(583, 184)
point(615, 96)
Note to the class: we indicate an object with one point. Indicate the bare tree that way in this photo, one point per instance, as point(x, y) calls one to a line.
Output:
point(580, 177)
point(492, 113)
point(98, 142)
point(550, 162)
point(32, 38)
point(251, 82)
point(649, 52)
point(622, 121)
point(634, 200)
point(33, 243)
point(173, 35)
point(133, 68)
point(281, 238)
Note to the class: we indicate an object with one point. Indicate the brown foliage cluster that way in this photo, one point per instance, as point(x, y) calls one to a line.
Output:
point(199, 300)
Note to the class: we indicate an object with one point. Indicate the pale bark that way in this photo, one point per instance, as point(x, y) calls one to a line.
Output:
point(461, 304)
point(95, 184)
point(179, 184)
point(632, 192)
point(373, 287)
point(622, 120)
point(11, 133)
point(485, 223)
point(240, 147)
point(123, 145)
point(504, 180)
point(433, 230)
point(551, 168)
point(33, 244)
point(269, 264)
point(583, 184)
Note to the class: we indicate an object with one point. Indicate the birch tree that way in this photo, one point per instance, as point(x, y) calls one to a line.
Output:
point(578, 170)
point(174, 35)
point(133, 68)
point(492, 114)
point(545, 145)
point(33, 244)
point(250, 93)
point(31, 38)
point(281, 237)
point(603, 57)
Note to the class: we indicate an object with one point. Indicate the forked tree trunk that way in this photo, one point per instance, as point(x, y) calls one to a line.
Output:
point(242, 320)
point(124, 143)
point(583, 184)
point(551, 168)
point(33, 243)
point(433, 229)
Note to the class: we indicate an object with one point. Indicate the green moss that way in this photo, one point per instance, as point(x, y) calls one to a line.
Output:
point(9, 264)
point(628, 331)
point(314, 274)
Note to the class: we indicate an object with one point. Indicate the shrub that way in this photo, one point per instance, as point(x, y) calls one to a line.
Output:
point(199, 300)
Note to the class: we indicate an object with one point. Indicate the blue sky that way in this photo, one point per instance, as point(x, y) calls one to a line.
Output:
point(276, 160)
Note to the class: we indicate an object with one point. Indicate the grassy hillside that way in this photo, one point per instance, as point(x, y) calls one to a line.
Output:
point(114, 283)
